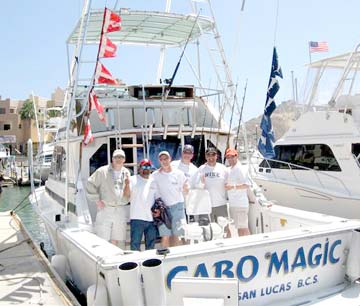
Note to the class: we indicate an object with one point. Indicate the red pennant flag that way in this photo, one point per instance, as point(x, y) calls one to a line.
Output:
point(103, 76)
point(107, 48)
point(112, 22)
point(95, 104)
point(88, 136)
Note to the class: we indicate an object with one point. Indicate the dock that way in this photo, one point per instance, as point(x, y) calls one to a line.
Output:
point(25, 274)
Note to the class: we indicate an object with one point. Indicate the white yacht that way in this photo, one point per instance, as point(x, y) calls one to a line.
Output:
point(314, 261)
point(317, 162)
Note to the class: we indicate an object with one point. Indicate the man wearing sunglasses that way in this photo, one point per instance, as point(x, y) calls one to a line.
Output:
point(142, 197)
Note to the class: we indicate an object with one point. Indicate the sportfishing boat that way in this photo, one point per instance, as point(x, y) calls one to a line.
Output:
point(288, 259)
point(316, 165)
point(47, 135)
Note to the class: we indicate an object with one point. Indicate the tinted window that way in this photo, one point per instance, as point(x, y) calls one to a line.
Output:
point(99, 159)
point(312, 156)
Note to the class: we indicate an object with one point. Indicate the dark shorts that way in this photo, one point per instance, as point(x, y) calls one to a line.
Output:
point(220, 211)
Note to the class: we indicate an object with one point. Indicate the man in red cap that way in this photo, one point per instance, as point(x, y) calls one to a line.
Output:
point(142, 197)
point(236, 185)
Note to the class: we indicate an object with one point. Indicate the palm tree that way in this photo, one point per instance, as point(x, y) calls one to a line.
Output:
point(27, 110)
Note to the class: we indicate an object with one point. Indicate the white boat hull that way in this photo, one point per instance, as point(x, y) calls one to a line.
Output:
point(270, 268)
point(310, 199)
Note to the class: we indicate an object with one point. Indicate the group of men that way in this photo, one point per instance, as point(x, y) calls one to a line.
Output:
point(112, 188)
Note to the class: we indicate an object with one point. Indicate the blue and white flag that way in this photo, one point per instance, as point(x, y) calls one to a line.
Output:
point(267, 139)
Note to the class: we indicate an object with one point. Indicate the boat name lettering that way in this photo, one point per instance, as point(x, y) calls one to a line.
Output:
point(248, 266)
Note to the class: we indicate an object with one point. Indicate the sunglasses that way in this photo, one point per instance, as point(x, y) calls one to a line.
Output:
point(145, 167)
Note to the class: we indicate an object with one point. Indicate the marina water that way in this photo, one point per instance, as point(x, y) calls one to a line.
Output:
point(10, 198)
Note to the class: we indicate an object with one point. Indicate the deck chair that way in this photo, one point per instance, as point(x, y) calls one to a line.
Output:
point(197, 204)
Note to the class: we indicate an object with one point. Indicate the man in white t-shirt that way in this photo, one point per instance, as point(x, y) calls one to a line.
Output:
point(108, 186)
point(171, 184)
point(213, 175)
point(142, 198)
point(236, 185)
point(184, 164)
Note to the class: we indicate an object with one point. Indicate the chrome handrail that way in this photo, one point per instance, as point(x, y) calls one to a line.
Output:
point(293, 166)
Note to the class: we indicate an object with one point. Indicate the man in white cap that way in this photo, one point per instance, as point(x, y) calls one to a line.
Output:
point(108, 186)
point(171, 184)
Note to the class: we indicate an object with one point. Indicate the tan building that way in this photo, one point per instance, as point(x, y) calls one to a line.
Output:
point(15, 132)
point(57, 97)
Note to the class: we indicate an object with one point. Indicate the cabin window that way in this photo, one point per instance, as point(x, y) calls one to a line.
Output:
point(99, 159)
point(355, 150)
point(58, 164)
point(309, 156)
point(48, 158)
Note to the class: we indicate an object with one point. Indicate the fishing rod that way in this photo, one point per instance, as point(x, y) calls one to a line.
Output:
point(171, 80)
point(201, 139)
point(232, 115)
point(241, 111)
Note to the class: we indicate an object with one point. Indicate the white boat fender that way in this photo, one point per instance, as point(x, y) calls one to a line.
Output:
point(59, 263)
point(153, 276)
point(96, 295)
point(130, 284)
point(353, 260)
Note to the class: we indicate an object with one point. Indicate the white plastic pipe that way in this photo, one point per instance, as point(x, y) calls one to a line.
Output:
point(154, 284)
point(130, 284)
point(58, 262)
point(97, 296)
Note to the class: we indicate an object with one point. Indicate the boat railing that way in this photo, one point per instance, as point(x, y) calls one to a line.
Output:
point(320, 176)
point(357, 159)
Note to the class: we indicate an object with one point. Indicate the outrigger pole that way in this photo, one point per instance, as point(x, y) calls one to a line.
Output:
point(171, 80)
point(241, 111)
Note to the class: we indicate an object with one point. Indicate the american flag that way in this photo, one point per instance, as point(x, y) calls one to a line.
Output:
point(318, 46)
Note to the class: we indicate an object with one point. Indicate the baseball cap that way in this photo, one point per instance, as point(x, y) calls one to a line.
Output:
point(211, 150)
point(119, 152)
point(231, 152)
point(188, 148)
point(145, 162)
point(164, 153)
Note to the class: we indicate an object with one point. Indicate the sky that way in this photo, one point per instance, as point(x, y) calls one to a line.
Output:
point(33, 36)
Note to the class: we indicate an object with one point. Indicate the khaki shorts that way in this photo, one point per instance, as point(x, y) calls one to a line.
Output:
point(111, 223)
point(240, 216)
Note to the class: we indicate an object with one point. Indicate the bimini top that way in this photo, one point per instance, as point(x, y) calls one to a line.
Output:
point(146, 28)
point(339, 61)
